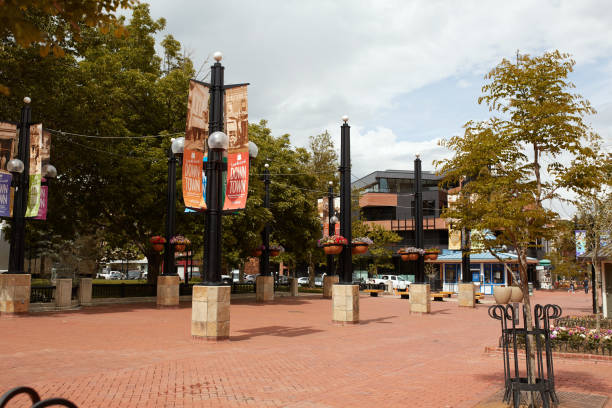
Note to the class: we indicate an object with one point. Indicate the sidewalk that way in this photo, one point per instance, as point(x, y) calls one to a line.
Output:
point(284, 354)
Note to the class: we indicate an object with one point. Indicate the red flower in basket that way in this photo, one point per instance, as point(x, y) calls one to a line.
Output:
point(158, 242)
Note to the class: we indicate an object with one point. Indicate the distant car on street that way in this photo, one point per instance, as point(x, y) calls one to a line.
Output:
point(318, 281)
point(250, 278)
point(303, 280)
point(115, 275)
point(133, 274)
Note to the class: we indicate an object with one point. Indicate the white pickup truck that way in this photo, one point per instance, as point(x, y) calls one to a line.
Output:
point(398, 283)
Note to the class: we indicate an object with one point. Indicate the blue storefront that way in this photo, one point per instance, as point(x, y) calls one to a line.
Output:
point(487, 271)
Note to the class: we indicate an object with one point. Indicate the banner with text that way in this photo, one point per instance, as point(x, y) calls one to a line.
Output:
point(42, 208)
point(5, 194)
point(236, 126)
point(35, 170)
point(196, 135)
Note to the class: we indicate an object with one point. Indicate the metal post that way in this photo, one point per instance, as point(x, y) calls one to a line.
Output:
point(16, 252)
point(593, 289)
point(418, 219)
point(346, 257)
point(212, 236)
point(465, 256)
point(331, 268)
point(264, 264)
point(169, 267)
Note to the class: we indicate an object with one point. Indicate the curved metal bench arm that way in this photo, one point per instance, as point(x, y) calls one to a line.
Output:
point(10, 394)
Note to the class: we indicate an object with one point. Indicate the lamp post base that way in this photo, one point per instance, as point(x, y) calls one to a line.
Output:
point(345, 304)
point(210, 313)
point(328, 282)
point(264, 289)
point(168, 291)
point(420, 299)
point(15, 293)
point(467, 295)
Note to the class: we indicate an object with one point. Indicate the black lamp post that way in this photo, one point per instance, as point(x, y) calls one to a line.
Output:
point(174, 153)
point(346, 257)
point(264, 264)
point(418, 219)
point(20, 169)
point(332, 220)
point(465, 255)
point(217, 143)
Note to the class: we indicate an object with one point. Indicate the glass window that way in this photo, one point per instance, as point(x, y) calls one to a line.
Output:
point(451, 272)
point(382, 185)
point(487, 273)
point(497, 273)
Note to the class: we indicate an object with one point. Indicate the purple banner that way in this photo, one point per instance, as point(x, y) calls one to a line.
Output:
point(42, 209)
point(5, 194)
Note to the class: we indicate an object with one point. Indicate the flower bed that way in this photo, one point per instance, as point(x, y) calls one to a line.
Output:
point(579, 340)
point(587, 321)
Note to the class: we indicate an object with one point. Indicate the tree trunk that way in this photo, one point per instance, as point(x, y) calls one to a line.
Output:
point(311, 272)
point(153, 265)
point(531, 366)
point(595, 292)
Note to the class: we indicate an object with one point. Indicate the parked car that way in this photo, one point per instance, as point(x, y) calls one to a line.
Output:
point(283, 280)
point(133, 274)
point(318, 281)
point(116, 275)
point(303, 280)
point(104, 275)
point(250, 278)
point(398, 283)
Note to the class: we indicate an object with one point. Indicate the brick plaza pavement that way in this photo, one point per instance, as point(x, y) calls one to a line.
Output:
point(283, 354)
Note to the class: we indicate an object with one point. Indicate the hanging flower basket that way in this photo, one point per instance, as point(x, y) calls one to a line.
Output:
point(431, 254)
point(332, 249)
point(332, 244)
point(410, 253)
point(275, 250)
point(360, 245)
point(257, 251)
point(179, 242)
point(157, 242)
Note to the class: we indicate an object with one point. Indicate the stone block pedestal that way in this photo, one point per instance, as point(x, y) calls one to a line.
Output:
point(264, 289)
point(168, 290)
point(293, 287)
point(210, 312)
point(420, 299)
point(14, 293)
point(467, 295)
point(345, 304)
point(63, 293)
point(85, 287)
point(328, 282)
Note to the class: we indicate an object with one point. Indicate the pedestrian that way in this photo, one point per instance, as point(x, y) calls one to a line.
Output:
point(586, 285)
point(571, 288)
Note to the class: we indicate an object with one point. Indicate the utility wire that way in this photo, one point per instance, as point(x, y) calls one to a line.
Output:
point(62, 133)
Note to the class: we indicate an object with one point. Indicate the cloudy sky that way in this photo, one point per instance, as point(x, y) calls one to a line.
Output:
point(406, 72)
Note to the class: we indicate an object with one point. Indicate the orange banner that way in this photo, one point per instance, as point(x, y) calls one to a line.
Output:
point(237, 125)
point(196, 135)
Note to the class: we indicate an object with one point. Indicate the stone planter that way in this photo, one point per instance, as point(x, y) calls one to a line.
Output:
point(517, 294)
point(502, 295)
point(359, 249)
point(332, 249)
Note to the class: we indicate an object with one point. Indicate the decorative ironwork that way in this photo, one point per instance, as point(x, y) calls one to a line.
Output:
point(42, 294)
point(35, 398)
point(515, 335)
point(123, 290)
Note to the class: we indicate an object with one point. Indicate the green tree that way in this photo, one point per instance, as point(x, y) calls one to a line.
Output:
point(502, 158)
point(380, 251)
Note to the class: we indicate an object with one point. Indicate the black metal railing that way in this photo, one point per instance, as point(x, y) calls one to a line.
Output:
point(243, 287)
point(75, 293)
point(185, 289)
point(281, 288)
point(42, 294)
point(539, 376)
point(123, 290)
point(364, 286)
point(34, 398)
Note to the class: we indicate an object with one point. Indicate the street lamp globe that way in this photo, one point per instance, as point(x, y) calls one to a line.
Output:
point(218, 56)
point(334, 220)
point(253, 150)
point(27, 100)
point(49, 171)
point(15, 166)
point(178, 145)
point(345, 118)
point(218, 140)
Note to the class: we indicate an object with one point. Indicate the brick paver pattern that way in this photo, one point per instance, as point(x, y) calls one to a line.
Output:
point(281, 354)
